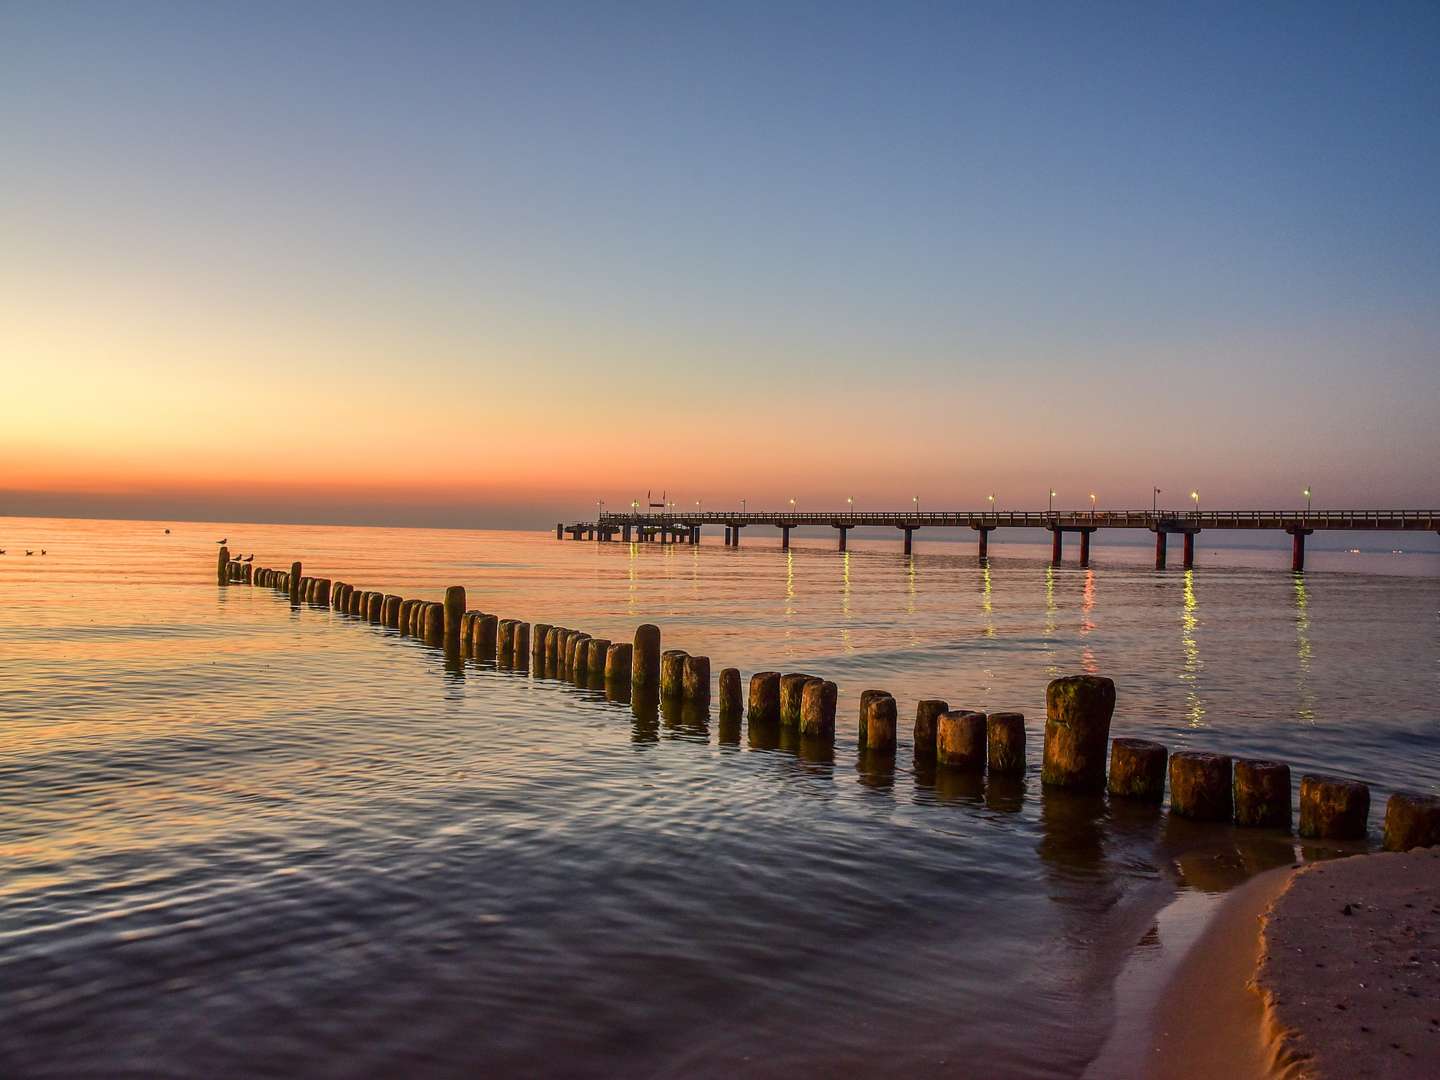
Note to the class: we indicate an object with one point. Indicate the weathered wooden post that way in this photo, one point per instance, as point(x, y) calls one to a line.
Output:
point(1077, 728)
point(927, 718)
point(322, 592)
point(618, 660)
point(434, 623)
point(1200, 786)
point(880, 724)
point(765, 697)
point(1137, 770)
point(646, 670)
point(672, 672)
point(865, 696)
point(1411, 820)
point(520, 658)
point(1262, 794)
point(538, 644)
point(577, 656)
point(486, 632)
point(505, 642)
point(960, 739)
point(696, 680)
point(792, 691)
point(294, 582)
point(222, 566)
point(1332, 808)
point(817, 709)
point(730, 701)
point(407, 617)
point(390, 611)
point(1005, 743)
point(597, 652)
point(375, 604)
point(454, 613)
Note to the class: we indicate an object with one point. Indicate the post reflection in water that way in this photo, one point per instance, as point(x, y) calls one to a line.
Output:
point(875, 770)
point(1304, 691)
point(645, 705)
point(1190, 668)
point(1088, 662)
point(1051, 616)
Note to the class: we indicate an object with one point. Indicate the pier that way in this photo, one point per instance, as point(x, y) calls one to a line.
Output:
point(675, 527)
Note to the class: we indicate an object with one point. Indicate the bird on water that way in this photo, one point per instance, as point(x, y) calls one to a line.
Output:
point(29, 552)
point(224, 541)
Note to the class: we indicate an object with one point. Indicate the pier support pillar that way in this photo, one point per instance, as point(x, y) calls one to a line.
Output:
point(560, 530)
point(984, 542)
point(1297, 549)
point(1057, 546)
point(1159, 549)
point(1189, 551)
point(843, 530)
point(1085, 548)
point(695, 534)
point(909, 539)
point(784, 537)
point(735, 535)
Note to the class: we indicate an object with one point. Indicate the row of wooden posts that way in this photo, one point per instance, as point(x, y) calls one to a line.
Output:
point(1078, 709)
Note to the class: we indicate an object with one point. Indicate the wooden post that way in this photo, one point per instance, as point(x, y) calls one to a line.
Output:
point(765, 697)
point(696, 678)
point(730, 701)
point(672, 672)
point(597, 651)
point(577, 657)
point(865, 698)
point(619, 659)
point(374, 605)
point(927, 717)
point(434, 624)
point(817, 708)
point(1137, 770)
point(1200, 786)
point(1077, 729)
point(960, 739)
point(646, 671)
point(1332, 808)
point(1262, 794)
point(390, 613)
point(792, 690)
point(504, 642)
point(294, 582)
point(1411, 820)
point(880, 724)
point(487, 630)
point(454, 612)
point(1005, 737)
point(222, 566)
point(538, 645)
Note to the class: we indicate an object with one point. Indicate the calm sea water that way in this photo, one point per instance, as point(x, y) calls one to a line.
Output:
point(241, 838)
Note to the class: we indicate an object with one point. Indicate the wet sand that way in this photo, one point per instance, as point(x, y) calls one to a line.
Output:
point(1351, 969)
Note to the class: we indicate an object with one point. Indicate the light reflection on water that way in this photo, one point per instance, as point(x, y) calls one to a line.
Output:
point(238, 833)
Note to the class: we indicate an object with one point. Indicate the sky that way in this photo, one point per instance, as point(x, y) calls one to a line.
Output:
point(489, 264)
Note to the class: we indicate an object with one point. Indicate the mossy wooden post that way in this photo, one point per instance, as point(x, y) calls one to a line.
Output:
point(1077, 730)
point(434, 623)
point(1411, 820)
point(672, 672)
point(520, 658)
point(1005, 743)
point(295, 573)
point(696, 680)
point(1262, 794)
point(407, 616)
point(618, 660)
point(765, 697)
point(597, 652)
point(375, 607)
point(357, 601)
point(222, 566)
point(1200, 787)
point(454, 611)
point(504, 642)
point(1137, 770)
point(792, 693)
point(576, 656)
point(865, 696)
point(645, 673)
point(390, 612)
point(960, 740)
point(1332, 808)
point(880, 724)
point(486, 632)
point(322, 594)
point(817, 709)
point(552, 649)
point(927, 716)
point(730, 702)
point(538, 644)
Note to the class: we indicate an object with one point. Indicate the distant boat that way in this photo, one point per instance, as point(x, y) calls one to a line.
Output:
point(1353, 551)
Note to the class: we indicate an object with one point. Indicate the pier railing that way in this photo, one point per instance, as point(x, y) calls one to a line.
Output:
point(1379, 520)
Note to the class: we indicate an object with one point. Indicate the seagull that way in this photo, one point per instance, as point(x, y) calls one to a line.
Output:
point(248, 558)
point(2, 551)
point(42, 551)
point(225, 541)
point(29, 553)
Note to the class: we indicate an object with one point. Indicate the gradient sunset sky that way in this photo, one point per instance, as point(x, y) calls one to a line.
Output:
point(483, 264)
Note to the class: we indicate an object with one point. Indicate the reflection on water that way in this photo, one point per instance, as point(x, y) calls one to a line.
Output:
point(1306, 704)
point(340, 851)
point(1190, 669)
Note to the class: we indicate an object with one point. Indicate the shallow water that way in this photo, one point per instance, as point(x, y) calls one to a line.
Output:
point(241, 837)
